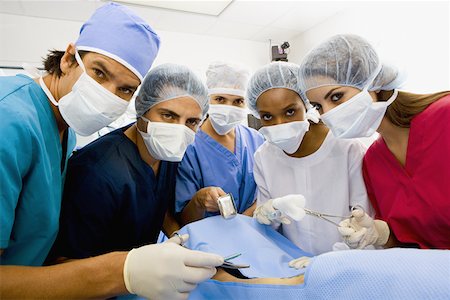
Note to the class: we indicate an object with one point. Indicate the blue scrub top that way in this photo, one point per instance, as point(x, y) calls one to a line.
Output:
point(112, 199)
point(31, 172)
point(208, 163)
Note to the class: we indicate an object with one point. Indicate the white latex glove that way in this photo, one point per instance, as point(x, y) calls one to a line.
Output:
point(291, 205)
point(339, 246)
point(266, 214)
point(277, 210)
point(167, 270)
point(361, 230)
point(299, 263)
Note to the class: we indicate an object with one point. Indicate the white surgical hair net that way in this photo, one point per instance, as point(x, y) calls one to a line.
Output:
point(347, 60)
point(170, 81)
point(274, 75)
point(226, 78)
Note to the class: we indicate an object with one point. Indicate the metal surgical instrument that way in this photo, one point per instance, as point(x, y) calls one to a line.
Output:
point(326, 217)
point(230, 265)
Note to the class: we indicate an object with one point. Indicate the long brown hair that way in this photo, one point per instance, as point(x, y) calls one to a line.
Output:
point(407, 105)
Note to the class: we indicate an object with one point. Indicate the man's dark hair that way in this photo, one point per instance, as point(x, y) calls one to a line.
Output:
point(53, 60)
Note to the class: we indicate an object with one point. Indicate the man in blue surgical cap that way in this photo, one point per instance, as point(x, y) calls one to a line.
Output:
point(86, 88)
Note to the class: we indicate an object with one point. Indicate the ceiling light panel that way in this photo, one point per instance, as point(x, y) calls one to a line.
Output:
point(206, 7)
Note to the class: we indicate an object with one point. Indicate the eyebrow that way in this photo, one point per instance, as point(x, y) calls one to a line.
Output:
point(231, 98)
point(194, 119)
point(284, 108)
point(160, 110)
point(104, 69)
point(329, 93)
point(290, 106)
point(264, 112)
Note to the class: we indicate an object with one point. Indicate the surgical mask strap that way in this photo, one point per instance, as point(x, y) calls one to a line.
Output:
point(47, 91)
point(312, 113)
point(45, 88)
point(392, 98)
point(79, 60)
point(145, 119)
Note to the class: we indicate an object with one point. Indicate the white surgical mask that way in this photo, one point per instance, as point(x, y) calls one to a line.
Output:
point(286, 136)
point(358, 116)
point(166, 141)
point(89, 106)
point(225, 117)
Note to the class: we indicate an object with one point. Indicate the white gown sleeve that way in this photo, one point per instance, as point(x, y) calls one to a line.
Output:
point(262, 193)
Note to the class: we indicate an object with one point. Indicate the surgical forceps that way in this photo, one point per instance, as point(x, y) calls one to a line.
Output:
point(226, 260)
point(230, 265)
point(276, 214)
point(324, 216)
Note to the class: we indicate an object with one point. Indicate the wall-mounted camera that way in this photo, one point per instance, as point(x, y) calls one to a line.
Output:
point(279, 53)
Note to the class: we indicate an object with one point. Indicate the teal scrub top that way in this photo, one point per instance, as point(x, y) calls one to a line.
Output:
point(32, 171)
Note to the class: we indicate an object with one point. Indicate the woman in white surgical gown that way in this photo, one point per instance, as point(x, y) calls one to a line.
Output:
point(301, 156)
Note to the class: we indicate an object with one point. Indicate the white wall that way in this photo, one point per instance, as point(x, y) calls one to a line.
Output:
point(412, 35)
point(199, 50)
point(27, 39)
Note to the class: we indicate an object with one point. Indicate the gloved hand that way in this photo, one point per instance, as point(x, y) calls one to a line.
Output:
point(279, 209)
point(299, 263)
point(339, 246)
point(167, 270)
point(361, 230)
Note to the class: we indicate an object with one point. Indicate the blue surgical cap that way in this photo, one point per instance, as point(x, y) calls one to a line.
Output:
point(170, 81)
point(349, 60)
point(274, 75)
point(117, 32)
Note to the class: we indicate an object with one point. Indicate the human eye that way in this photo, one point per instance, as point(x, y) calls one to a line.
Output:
point(126, 91)
point(192, 122)
point(239, 102)
point(266, 117)
point(220, 99)
point(167, 116)
point(98, 73)
point(316, 105)
point(290, 112)
point(336, 96)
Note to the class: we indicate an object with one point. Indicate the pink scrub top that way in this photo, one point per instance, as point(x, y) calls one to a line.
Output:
point(415, 199)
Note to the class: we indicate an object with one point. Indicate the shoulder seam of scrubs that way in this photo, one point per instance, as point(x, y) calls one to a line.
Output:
point(14, 91)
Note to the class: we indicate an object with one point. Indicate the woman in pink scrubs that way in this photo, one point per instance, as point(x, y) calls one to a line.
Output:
point(407, 169)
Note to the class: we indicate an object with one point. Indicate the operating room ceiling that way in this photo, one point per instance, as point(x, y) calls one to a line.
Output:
point(248, 20)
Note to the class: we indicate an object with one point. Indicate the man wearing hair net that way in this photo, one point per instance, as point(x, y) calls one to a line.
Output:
point(301, 164)
point(220, 160)
point(85, 88)
point(119, 187)
point(406, 170)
